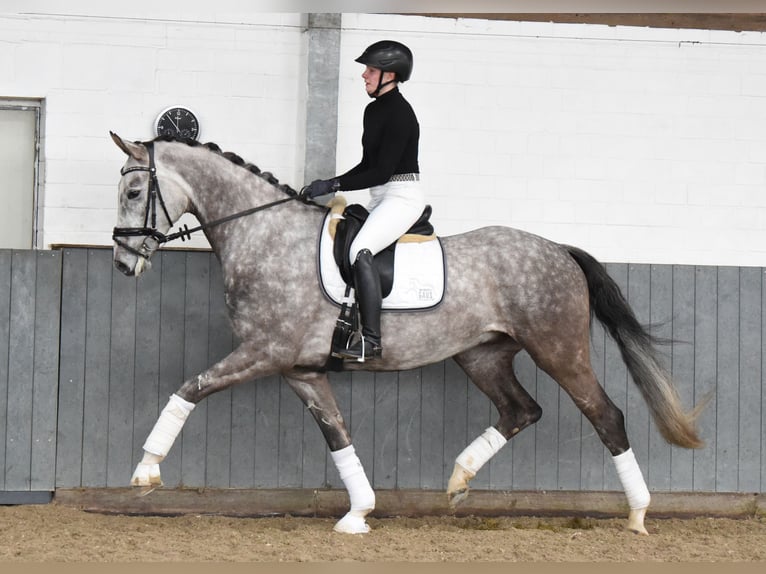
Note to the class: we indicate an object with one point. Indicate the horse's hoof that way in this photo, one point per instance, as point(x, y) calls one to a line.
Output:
point(636, 522)
point(352, 524)
point(146, 475)
point(146, 490)
point(457, 497)
point(457, 487)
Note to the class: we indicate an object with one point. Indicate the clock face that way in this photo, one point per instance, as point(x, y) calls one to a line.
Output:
point(177, 121)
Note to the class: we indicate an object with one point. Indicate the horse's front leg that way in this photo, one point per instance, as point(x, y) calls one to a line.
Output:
point(315, 392)
point(239, 366)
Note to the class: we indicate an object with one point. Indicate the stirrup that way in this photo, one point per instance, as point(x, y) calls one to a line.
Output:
point(359, 351)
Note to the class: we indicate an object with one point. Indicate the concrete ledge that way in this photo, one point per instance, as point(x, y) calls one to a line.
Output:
point(334, 503)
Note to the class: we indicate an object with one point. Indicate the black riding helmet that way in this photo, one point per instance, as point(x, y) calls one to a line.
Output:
point(388, 56)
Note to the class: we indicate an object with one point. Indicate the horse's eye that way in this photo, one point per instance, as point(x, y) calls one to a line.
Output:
point(133, 193)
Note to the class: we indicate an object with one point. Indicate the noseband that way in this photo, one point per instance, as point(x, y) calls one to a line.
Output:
point(154, 195)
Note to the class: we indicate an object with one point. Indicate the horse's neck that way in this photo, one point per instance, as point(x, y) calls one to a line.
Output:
point(281, 229)
point(219, 189)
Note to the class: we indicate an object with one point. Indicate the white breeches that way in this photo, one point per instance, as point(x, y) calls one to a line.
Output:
point(394, 207)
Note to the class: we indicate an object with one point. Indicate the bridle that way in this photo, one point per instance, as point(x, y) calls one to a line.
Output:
point(154, 195)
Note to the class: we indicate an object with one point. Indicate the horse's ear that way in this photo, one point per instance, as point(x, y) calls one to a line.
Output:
point(134, 150)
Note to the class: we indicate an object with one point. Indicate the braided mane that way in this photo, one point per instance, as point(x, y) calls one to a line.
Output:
point(234, 158)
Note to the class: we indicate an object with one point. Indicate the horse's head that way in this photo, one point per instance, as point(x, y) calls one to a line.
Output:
point(144, 213)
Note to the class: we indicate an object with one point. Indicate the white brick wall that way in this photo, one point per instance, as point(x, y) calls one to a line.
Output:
point(637, 144)
point(241, 75)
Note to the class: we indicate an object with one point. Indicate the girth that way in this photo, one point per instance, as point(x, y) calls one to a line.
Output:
point(348, 227)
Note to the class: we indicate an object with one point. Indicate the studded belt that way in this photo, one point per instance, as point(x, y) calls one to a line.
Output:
point(405, 177)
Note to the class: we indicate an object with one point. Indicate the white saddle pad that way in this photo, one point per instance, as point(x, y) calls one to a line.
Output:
point(419, 274)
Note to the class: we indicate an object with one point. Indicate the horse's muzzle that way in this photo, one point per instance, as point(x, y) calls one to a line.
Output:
point(124, 268)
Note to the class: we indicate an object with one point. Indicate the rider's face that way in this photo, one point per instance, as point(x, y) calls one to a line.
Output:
point(372, 79)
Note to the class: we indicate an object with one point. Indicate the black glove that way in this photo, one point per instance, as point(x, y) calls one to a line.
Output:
point(320, 187)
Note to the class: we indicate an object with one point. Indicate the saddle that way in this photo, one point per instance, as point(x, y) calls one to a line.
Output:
point(348, 227)
point(343, 225)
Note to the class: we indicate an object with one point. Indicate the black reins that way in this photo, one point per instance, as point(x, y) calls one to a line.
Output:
point(154, 194)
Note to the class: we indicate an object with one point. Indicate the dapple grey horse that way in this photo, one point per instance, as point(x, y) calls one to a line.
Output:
point(507, 290)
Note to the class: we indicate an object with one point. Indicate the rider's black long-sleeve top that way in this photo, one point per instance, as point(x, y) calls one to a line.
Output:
point(389, 143)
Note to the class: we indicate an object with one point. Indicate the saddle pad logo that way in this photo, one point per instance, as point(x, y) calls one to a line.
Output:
point(419, 274)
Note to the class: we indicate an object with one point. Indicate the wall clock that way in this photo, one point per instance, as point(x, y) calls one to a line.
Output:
point(177, 121)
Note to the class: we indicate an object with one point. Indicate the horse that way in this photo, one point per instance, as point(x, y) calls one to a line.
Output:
point(507, 290)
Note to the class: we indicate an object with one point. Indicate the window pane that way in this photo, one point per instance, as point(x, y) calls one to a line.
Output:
point(17, 178)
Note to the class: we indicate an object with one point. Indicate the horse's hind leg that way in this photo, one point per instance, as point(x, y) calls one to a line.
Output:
point(315, 392)
point(609, 423)
point(490, 367)
point(576, 377)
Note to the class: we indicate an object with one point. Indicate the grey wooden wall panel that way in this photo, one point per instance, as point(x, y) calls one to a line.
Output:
point(750, 389)
point(122, 360)
point(682, 367)
point(20, 368)
point(71, 388)
point(384, 468)
point(31, 283)
point(5, 337)
point(126, 344)
point(762, 384)
point(95, 438)
point(433, 420)
point(362, 423)
point(409, 431)
point(660, 317)
point(267, 432)
point(46, 369)
point(705, 365)
point(243, 437)
point(727, 388)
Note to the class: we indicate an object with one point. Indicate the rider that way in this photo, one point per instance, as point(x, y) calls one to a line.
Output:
point(389, 168)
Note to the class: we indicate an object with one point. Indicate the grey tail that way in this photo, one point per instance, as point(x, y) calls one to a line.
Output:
point(637, 347)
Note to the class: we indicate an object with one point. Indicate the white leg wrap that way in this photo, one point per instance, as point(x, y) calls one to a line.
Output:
point(632, 480)
point(168, 426)
point(352, 474)
point(360, 492)
point(481, 450)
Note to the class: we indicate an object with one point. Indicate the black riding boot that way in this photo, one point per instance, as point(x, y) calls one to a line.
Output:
point(368, 294)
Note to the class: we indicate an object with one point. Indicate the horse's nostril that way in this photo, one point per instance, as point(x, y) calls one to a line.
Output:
point(122, 268)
